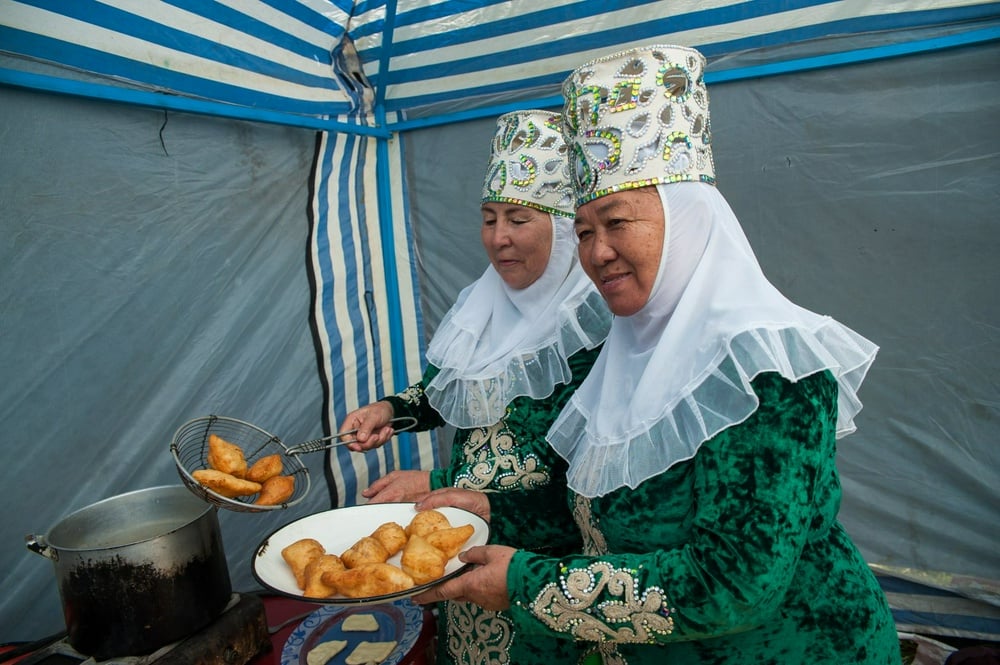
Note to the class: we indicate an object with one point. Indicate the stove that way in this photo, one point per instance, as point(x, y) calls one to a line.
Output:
point(236, 637)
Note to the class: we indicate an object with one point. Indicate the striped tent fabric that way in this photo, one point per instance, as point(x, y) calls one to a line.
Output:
point(352, 297)
point(269, 56)
point(941, 604)
point(454, 54)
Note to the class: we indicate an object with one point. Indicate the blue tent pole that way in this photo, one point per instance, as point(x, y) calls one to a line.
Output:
point(384, 188)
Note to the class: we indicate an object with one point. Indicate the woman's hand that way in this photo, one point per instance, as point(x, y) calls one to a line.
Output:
point(399, 486)
point(372, 425)
point(471, 500)
point(485, 584)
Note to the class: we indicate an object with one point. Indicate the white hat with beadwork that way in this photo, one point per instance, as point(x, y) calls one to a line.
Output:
point(637, 118)
point(528, 163)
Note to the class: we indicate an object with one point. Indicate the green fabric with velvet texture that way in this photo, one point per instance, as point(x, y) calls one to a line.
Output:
point(510, 459)
point(734, 556)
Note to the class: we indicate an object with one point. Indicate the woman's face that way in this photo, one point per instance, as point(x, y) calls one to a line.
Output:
point(621, 239)
point(518, 241)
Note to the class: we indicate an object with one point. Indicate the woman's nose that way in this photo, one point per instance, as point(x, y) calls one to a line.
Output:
point(602, 252)
point(501, 235)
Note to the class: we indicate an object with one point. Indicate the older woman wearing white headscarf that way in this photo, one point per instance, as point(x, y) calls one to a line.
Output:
point(502, 364)
point(701, 446)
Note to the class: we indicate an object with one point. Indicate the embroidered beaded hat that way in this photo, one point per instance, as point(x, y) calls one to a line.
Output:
point(637, 118)
point(528, 163)
point(498, 343)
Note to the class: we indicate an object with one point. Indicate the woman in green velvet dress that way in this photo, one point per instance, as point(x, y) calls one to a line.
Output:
point(502, 364)
point(702, 445)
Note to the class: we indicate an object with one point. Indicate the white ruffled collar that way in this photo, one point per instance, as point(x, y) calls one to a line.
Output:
point(498, 343)
point(678, 372)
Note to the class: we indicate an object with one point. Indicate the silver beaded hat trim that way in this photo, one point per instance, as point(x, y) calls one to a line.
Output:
point(637, 118)
point(528, 163)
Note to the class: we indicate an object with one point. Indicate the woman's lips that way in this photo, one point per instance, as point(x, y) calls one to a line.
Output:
point(612, 281)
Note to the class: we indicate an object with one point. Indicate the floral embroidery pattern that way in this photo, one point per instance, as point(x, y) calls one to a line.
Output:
point(609, 654)
point(478, 636)
point(412, 395)
point(594, 543)
point(494, 461)
point(601, 603)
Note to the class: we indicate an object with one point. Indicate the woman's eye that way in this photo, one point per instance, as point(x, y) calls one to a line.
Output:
point(489, 222)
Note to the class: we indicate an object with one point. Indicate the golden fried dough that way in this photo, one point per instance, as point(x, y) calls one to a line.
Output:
point(426, 521)
point(299, 554)
point(369, 579)
point(275, 490)
point(422, 561)
point(366, 550)
point(391, 535)
point(264, 468)
point(315, 587)
point(226, 457)
point(225, 484)
point(450, 541)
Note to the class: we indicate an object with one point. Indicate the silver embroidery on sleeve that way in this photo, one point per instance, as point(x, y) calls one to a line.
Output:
point(477, 636)
point(609, 654)
point(493, 461)
point(594, 543)
point(412, 395)
point(579, 605)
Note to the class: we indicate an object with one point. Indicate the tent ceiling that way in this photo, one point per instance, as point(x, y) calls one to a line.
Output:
point(418, 54)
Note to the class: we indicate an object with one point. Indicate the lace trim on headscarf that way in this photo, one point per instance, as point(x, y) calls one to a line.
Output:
point(598, 467)
point(466, 402)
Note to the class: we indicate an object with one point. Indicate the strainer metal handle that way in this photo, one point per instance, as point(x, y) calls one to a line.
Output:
point(323, 443)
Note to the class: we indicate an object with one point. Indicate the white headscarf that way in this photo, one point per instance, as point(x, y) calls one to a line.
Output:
point(676, 373)
point(497, 343)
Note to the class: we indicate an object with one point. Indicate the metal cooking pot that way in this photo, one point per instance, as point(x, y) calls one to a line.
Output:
point(138, 571)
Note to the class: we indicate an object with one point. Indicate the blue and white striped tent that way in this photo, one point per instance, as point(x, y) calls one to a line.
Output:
point(261, 208)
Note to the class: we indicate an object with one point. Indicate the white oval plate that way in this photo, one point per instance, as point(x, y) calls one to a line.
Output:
point(337, 530)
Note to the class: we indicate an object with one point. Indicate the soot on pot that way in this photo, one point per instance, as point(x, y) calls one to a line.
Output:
point(114, 607)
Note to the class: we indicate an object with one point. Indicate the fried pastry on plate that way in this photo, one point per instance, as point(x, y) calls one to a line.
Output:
point(315, 587)
point(366, 550)
point(299, 554)
point(450, 540)
point(275, 490)
point(226, 457)
point(426, 521)
point(264, 468)
point(422, 561)
point(369, 579)
point(391, 535)
point(224, 483)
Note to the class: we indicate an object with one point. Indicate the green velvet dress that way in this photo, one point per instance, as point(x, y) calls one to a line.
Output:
point(734, 556)
point(510, 458)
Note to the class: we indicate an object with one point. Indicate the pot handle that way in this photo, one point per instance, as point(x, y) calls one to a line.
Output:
point(39, 545)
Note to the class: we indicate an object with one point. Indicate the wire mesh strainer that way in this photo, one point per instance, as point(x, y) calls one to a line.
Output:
point(190, 450)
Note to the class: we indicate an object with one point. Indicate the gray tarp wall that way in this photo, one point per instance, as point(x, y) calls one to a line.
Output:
point(152, 270)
